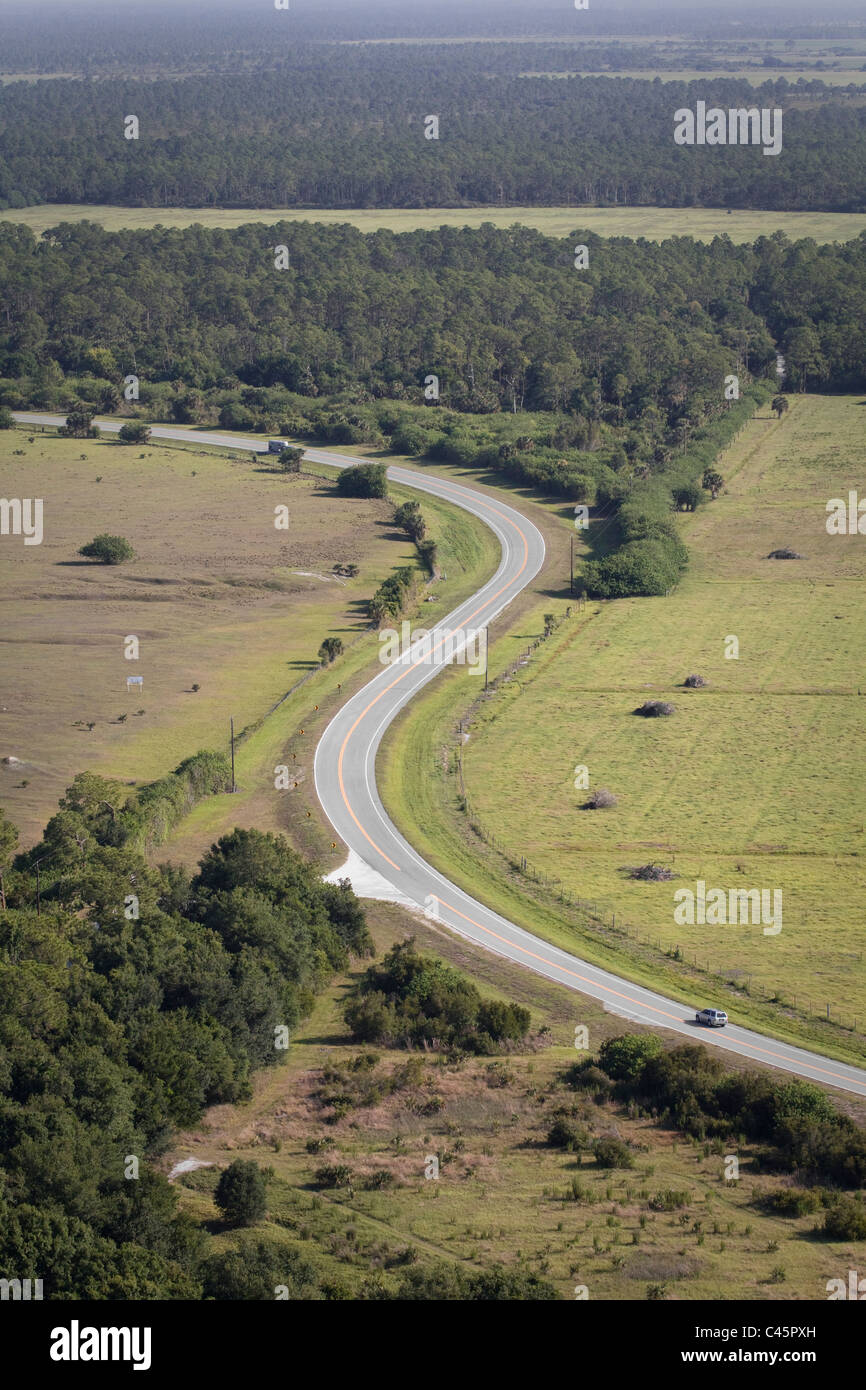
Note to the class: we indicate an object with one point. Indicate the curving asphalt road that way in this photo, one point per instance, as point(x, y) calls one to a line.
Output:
point(346, 785)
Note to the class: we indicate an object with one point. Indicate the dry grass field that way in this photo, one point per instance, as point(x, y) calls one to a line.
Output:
point(217, 596)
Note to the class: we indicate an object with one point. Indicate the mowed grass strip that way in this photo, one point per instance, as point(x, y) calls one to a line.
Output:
point(654, 223)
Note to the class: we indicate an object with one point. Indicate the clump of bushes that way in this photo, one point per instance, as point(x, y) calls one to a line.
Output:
point(694, 682)
point(108, 550)
point(585, 1076)
point(391, 596)
point(669, 1199)
point(333, 1175)
point(794, 1201)
point(363, 480)
point(845, 1220)
point(567, 1133)
point(331, 648)
point(784, 553)
point(410, 999)
point(612, 1153)
point(690, 1089)
point(656, 709)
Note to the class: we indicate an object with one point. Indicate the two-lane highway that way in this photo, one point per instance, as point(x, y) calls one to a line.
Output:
point(346, 785)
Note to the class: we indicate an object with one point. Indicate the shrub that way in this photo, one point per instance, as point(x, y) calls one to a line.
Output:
point(645, 567)
point(134, 432)
point(333, 1175)
point(363, 480)
point(109, 550)
point(694, 682)
point(612, 1153)
point(289, 460)
point(793, 1201)
point(240, 1193)
point(587, 1077)
point(330, 649)
point(656, 709)
point(6, 420)
point(845, 1220)
point(784, 554)
point(624, 1058)
point(669, 1199)
point(566, 1133)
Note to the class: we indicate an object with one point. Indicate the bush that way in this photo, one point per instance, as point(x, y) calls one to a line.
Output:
point(784, 554)
point(363, 480)
point(255, 1270)
point(793, 1201)
point(644, 567)
point(134, 432)
point(289, 460)
point(669, 1199)
point(333, 1175)
point(6, 420)
point(584, 1076)
point(624, 1058)
point(240, 1193)
point(845, 1220)
point(109, 550)
point(656, 709)
point(694, 682)
point(566, 1133)
point(612, 1153)
point(417, 999)
point(330, 649)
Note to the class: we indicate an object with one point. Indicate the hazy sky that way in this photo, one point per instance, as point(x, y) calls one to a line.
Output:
point(827, 10)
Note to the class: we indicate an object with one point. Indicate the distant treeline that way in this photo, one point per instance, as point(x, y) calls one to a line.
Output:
point(344, 127)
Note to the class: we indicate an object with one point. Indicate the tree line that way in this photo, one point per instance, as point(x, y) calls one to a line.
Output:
point(342, 127)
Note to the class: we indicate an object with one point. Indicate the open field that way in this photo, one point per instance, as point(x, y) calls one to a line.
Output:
point(216, 596)
point(503, 1196)
point(752, 784)
point(656, 224)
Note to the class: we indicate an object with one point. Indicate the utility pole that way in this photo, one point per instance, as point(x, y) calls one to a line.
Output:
point(571, 584)
point(486, 657)
point(234, 787)
point(38, 898)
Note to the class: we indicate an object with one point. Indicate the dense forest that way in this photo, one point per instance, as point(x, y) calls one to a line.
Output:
point(344, 127)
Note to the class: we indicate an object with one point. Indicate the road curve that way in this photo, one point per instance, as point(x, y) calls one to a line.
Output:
point(346, 786)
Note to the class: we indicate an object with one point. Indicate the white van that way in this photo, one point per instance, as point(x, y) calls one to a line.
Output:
point(276, 446)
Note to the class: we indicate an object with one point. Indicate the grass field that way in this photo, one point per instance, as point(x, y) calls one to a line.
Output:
point(654, 223)
point(753, 783)
point(217, 596)
point(503, 1196)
